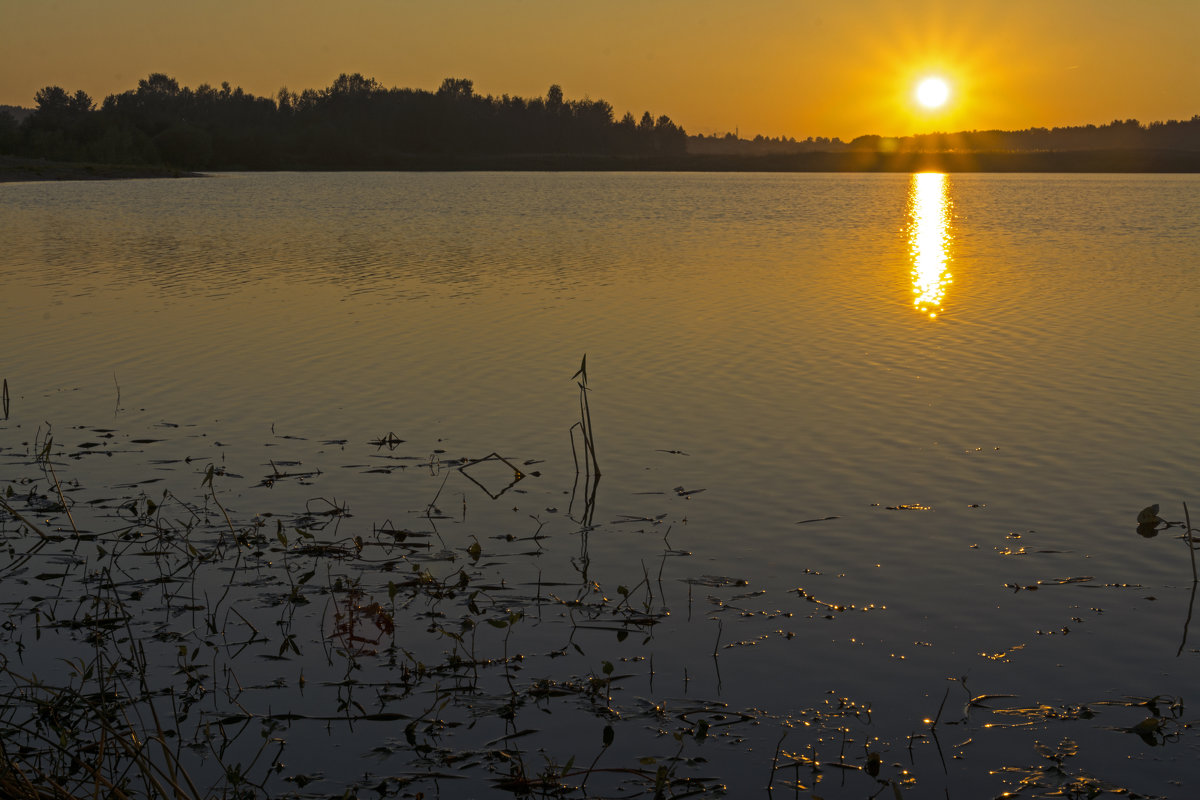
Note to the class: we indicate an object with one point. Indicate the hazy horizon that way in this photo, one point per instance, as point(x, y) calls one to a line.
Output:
point(769, 68)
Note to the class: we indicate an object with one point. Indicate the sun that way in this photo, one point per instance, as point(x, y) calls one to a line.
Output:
point(933, 92)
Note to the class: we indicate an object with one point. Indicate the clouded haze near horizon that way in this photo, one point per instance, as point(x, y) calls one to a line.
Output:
point(763, 66)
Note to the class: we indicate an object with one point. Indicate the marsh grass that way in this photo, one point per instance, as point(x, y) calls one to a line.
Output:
point(198, 642)
point(163, 613)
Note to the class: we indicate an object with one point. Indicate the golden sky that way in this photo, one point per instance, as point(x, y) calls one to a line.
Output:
point(776, 67)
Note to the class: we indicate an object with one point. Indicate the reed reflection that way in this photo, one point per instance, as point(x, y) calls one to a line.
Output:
point(929, 240)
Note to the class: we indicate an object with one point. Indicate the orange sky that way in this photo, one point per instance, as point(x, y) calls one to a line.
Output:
point(776, 67)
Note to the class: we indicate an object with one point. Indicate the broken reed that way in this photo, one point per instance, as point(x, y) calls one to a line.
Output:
point(590, 464)
point(1191, 541)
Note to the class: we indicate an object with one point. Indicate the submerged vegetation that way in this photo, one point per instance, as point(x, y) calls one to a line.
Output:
point(174, 628)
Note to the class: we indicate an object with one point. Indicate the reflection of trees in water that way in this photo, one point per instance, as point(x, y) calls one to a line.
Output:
point(389, 235)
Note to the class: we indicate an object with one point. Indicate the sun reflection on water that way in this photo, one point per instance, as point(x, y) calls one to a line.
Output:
point(929, 240)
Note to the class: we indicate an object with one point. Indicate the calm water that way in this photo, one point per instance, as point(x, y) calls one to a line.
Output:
point(981, 379)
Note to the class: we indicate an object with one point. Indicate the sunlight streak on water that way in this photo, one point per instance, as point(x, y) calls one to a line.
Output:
point(929, 240)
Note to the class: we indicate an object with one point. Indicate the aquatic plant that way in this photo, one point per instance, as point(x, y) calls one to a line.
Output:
point(244, 636)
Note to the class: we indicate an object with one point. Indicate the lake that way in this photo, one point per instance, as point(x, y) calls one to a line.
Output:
point(872, 451)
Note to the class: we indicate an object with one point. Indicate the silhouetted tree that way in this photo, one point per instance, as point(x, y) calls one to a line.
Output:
point(354, 86)
point(8, 132)
point(52, 101)
point(158, 84)
point(457, 88)
point(185, 145)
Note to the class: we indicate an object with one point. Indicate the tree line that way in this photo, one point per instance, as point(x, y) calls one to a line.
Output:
point(1128, 134)
point(355, 123)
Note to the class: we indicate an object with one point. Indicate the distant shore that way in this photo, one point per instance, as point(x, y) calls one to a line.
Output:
point(1101, 161)
point(1074, 161)
point(14, 169)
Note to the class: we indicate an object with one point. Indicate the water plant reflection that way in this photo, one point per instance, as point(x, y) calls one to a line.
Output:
point(929, 240)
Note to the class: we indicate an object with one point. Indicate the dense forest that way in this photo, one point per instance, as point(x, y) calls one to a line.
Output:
point(354, 123)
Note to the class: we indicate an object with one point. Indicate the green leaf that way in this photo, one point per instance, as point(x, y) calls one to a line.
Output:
point(608, 735)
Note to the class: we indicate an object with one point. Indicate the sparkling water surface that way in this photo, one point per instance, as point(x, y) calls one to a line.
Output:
point(910, 397)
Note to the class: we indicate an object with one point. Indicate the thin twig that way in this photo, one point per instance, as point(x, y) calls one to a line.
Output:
point(61, 499)
point(1190, 540)
point(29, 524)
point(938, 718)
point(775, 762)
point(212, 489)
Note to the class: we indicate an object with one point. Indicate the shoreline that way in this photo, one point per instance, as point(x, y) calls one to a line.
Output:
point(21, 170)
point(13, 169)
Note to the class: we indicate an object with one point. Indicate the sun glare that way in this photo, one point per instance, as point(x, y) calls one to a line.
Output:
point(929, 240)
point(933, 92)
